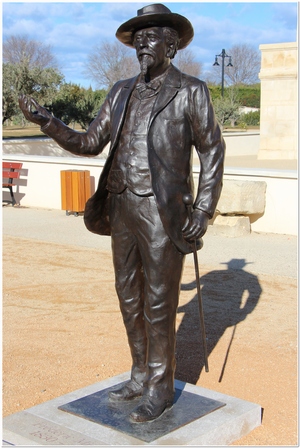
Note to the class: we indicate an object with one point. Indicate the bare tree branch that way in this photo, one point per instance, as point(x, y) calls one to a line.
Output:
point(109, 63)
point(185, 61)
point(19, 49)
point(246, 66)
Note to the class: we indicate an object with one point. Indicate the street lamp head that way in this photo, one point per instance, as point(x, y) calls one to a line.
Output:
point(229, 63)
point(223, 55)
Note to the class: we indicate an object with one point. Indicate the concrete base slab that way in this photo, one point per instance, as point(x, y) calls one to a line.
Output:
point(46, 424)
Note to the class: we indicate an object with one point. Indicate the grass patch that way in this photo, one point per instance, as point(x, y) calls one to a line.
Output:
point(21, 132)
point(31, 131)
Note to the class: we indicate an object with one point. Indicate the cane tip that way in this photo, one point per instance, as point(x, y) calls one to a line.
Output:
point(187, 199)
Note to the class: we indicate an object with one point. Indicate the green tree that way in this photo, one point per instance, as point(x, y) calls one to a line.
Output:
point(226, 111)
point(89, 105)
point(246, 95)
point(29, 67)
point(9, 94)
point(227, 108)
point(74, 104)
point(250, 118)
point(64, 104)
point(42, 83)
point(215, 91)
point(249, 95)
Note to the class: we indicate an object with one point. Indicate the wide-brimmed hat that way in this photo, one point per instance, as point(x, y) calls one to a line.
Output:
point(156, 15)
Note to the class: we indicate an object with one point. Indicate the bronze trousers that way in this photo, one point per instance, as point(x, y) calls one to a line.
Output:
point(148, 270)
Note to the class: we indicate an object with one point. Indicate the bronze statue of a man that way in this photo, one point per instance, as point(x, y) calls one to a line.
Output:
point(152, 122)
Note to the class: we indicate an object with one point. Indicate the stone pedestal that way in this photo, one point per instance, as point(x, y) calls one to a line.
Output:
point(279, 101)
point(65, 420)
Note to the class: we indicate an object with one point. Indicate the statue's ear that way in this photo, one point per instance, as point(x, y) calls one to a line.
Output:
point(170, 50)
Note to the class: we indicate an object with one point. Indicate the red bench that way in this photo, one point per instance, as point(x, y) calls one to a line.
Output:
point(10, 172)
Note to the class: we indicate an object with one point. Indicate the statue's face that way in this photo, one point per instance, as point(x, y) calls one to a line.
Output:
point(151, 48)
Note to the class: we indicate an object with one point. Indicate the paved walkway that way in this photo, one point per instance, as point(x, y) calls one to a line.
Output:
point(269, 254)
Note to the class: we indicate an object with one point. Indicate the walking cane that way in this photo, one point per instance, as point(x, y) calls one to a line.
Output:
point(188, 201)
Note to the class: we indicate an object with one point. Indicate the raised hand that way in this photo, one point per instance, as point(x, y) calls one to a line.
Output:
point(33, 111)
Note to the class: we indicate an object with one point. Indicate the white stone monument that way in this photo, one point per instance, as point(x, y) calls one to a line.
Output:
point(279, 101)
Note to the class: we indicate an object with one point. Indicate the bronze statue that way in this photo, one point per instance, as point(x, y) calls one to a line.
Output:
point(152, 122)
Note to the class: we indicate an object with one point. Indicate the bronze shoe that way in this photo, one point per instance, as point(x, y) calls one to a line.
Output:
point(149, 409)
point(129, 391)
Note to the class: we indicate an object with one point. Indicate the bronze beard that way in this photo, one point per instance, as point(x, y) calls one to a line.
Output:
point(145, 62)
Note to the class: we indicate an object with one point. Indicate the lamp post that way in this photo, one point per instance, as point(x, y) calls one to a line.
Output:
point(223, 55)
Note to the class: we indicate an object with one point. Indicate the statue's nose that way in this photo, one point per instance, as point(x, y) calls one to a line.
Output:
point(143, 42)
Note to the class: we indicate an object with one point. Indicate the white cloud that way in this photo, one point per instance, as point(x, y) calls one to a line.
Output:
point(73, 28)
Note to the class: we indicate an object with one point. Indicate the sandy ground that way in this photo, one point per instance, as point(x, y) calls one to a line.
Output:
point(62, 331)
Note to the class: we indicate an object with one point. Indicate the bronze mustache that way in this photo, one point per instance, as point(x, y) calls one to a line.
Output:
point(145, 53)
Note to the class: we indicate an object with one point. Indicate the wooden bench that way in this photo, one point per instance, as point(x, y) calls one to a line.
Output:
point(10, 172)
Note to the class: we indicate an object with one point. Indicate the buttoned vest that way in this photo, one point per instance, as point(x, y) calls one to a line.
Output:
point(130, 167)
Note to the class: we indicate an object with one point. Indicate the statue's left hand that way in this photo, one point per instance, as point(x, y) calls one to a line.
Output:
point(33, 111)
point(198, 227)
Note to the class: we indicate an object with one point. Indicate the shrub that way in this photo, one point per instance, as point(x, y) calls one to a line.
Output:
point(251, 118)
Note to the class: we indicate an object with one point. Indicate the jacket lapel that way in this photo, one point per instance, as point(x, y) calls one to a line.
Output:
point(168, 90)
point(119, 115)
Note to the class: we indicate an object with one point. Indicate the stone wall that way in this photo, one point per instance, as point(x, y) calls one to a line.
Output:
point(237, 144)
point(279, 105)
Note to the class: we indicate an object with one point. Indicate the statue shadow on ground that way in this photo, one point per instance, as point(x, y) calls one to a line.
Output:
point(228, 295)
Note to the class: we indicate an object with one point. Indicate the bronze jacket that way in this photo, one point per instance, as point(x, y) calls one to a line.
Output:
point(182, 117)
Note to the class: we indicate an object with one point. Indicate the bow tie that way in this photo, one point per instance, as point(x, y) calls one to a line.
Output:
point(149, 88)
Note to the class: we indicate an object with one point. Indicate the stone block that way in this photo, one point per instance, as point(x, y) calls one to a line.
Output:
point(242, 197)
point(232, 226)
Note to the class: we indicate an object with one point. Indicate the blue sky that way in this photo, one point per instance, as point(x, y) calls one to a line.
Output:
point(72, 28)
